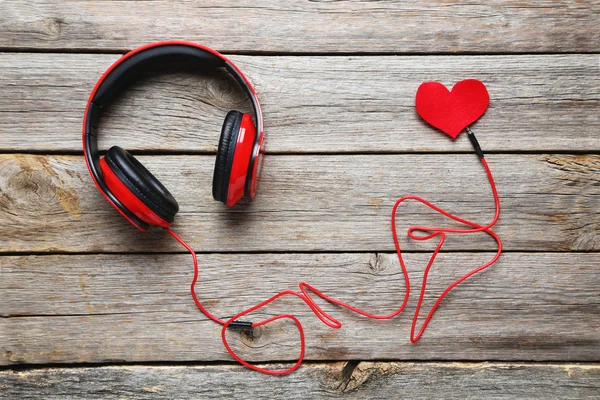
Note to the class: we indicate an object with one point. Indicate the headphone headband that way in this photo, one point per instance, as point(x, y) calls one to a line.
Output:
point(124, 69)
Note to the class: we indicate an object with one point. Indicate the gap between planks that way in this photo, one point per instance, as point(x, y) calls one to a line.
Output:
point(122, 51)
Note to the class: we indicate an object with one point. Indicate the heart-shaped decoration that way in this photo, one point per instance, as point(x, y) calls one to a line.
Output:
point(452, 111)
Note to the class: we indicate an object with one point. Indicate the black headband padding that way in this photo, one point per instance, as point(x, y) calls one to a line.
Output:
point(139, 63)
point(225, 152)
point(142, 183)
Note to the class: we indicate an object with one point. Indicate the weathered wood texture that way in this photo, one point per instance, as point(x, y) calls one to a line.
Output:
point(131, 308)
point(324, 104)
point(309, 203)
point(301, 26)
point(367, 380)
point(331, 81)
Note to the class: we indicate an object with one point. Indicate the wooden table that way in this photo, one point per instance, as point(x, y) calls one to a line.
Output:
point(90, 307)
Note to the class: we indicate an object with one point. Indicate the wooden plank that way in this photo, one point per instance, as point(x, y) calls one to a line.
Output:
point(367, 380)
point(309, 203)
point(133, 308)
point(316, 104)
point(300, 26)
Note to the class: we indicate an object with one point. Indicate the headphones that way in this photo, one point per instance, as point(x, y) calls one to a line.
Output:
point(127, 184)
point(144, 201)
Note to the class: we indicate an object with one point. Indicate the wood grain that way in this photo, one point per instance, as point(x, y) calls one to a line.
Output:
point(311, 104)
point(133, 308)
point(314, 26)
point(367, 380)
point(309, 203)
point(334, 77)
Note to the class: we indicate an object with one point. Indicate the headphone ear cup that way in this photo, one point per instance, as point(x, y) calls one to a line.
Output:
point(225, 153)
point(133, 184)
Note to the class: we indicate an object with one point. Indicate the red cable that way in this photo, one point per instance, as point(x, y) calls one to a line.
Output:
point(433, 232)
point(303, 295)
point(336, 324)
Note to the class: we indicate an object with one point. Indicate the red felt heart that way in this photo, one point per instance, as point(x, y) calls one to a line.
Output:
point(452, 111)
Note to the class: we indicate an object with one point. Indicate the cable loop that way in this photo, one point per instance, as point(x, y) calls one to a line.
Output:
point(323, 316)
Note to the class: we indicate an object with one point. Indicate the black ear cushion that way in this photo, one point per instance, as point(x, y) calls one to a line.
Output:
point(142, 183)
point(225, 152)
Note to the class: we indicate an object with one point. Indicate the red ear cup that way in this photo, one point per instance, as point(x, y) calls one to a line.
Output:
point(241, 160)
point(233, 157)
point(137, 188)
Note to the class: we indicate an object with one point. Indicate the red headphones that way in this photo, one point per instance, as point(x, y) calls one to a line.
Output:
point(127, 184)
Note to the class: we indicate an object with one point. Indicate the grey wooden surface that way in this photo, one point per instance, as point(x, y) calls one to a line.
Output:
point(92, 308)
point(307, 107)
point(424, 26)
point(364, 380)
point(310, 203)
point(128, 308)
